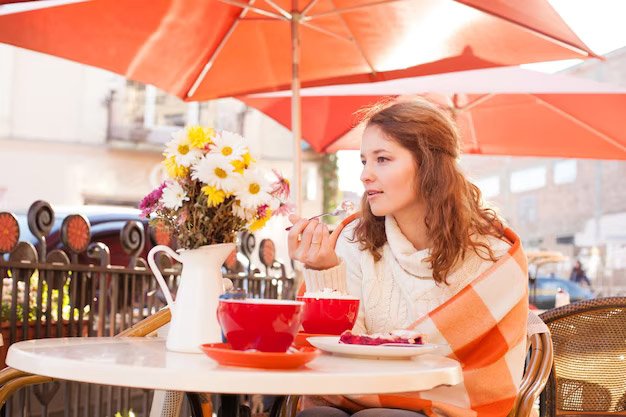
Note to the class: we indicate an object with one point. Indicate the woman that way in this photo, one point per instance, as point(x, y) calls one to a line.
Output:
point(424, 255)
point(578, 275)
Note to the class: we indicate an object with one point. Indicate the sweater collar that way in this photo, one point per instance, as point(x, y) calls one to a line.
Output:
point(410, 259)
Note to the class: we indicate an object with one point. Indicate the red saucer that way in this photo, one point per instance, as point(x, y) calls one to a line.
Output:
point(223, 354)
point(300, 339)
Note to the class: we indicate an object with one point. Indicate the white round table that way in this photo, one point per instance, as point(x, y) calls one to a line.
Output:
point(145, 363)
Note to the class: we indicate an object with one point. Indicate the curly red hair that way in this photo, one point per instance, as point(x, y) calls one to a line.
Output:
point(455, 215)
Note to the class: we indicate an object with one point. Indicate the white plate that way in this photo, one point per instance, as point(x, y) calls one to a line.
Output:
point(331, 344)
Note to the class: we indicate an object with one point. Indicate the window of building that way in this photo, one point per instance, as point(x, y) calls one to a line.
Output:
point(527, 209)
point(528, 179)
point(565, 171)
point(489, 186)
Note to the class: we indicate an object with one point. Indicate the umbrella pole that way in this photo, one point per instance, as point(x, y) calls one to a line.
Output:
point(296, 127)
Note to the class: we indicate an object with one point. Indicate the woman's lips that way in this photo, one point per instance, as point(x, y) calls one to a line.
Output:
point(373, 194)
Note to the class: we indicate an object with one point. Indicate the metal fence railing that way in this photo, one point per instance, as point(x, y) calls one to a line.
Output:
point(70, 289)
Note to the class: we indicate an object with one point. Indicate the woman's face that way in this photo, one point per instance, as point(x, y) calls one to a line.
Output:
point(389, 175)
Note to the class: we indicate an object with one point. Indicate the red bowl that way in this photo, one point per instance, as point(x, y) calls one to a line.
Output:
point(329, 315)
point(264, 325)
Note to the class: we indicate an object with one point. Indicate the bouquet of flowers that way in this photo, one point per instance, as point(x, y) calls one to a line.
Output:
point(214, 189)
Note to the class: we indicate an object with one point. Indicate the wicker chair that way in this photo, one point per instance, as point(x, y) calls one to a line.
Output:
point(589, 374)
point(538, 367)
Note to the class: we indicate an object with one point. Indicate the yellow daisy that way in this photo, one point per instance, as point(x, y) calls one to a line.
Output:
point(200, 136)
point(173, 169)
point(244, 163)
point(214, 195)
point(260, 223)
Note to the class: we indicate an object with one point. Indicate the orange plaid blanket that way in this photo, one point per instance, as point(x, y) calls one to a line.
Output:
point(485, 327)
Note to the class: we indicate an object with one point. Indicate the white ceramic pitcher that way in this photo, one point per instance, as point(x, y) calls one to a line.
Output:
point(194, 313)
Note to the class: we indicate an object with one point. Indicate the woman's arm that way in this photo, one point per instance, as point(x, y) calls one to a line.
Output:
point(331, 260)
point(346, 277)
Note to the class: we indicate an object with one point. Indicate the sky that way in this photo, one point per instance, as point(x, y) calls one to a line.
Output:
point(600, 24)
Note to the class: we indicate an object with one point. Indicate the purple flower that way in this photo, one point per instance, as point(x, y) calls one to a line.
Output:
point(281, 188)
point(261, 211)
point(284, 209)
point(151, 201)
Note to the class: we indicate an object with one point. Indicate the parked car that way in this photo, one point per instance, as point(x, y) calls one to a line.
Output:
point(547, 287)
point(106, 224)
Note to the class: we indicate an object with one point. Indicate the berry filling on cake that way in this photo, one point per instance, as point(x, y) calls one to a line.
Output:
point(397, 336)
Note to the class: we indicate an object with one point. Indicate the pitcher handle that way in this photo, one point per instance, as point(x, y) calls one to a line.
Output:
point(157, 273)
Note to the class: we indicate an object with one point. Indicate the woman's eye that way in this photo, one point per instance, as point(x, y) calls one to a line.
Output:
point(363, 162)
point(381, 159)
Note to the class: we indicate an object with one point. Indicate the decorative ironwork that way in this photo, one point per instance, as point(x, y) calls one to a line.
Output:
point(75, 291)
point(267, 252)
point(9, 232)
point(133, 240)
point(248, 242)
point(101, 252)
point(40, 222)
point(75, 233)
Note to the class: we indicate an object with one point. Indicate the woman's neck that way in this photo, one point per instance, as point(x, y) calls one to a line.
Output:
point(412, 226)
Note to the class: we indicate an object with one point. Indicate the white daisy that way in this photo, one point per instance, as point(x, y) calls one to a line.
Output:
point(215, 170)
point(173, 195)
point(243, 213)
point(181, 149)
point(255, 190)
point(230, 145)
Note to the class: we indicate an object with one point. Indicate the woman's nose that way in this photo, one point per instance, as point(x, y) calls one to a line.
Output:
point(366, 174)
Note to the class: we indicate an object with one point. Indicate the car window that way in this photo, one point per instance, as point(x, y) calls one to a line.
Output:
point(575, 290)
point(548, 284)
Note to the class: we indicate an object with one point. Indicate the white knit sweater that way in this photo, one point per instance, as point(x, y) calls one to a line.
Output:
point(399, 288)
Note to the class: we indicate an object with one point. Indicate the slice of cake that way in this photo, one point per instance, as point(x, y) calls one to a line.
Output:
point(397, 336)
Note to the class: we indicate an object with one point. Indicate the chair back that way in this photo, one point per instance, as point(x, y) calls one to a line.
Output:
point(538, 367)
point(589, 373)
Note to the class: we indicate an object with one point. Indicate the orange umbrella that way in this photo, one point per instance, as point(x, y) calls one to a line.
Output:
point(201, 49)
point(511, 112)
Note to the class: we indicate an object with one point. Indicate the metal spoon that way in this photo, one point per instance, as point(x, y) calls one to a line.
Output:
point(346, 206)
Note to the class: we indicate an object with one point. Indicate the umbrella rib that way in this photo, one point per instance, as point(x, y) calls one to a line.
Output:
point(473, 133)
point(534, 31)
point(479, 100)
point(582, 124)
point(279, 9)
point(328, 32)
point(472, 128)
point(308, 7)
point(258, 18)
point(219, 47)
point(352, 39)
point(258, 10)
point(351, 8)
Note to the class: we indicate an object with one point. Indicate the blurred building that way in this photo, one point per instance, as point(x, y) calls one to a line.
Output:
point(575, 206)
point(72, 134)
